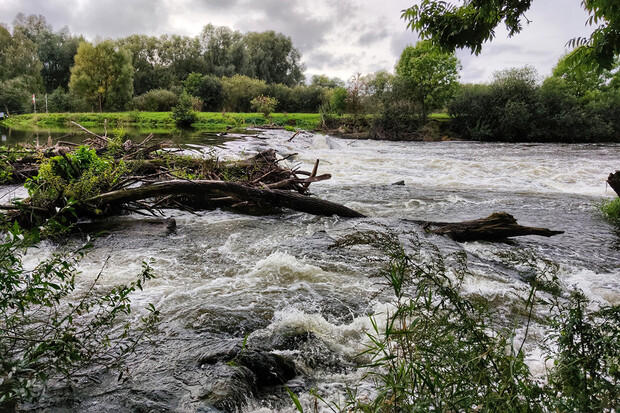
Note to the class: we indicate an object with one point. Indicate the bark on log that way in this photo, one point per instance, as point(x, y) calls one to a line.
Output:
point(207, 190)
point(614, 182)
point(495, 227)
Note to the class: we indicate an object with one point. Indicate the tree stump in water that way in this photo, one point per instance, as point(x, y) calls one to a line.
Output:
point(614, 182)
point(495, 227)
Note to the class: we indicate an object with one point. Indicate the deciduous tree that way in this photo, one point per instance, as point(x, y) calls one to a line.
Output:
point(272, 58)
point(102, 74)
point(433, 74)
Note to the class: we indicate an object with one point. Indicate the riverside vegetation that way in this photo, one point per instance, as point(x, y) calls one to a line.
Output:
point(53, 327)
point(225, 71)
point(437, 349)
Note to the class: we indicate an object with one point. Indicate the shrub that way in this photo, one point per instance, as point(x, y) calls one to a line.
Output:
point(157, 100)
point(610, 209)
point(239, 91)
point(76, 176)
point(438, 350)
point(514, 108)
point(182, 113)
point(208, 88)
point(46, 332)
point(338, 101)
point(283, 94)
point(305, 99)
point(586, 353)
point(16, 96)
point(61, 101)
point(264, 104)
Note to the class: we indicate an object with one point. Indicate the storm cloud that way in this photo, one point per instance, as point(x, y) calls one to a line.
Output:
point(336, 38)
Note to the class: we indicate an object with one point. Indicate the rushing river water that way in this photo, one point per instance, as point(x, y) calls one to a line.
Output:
point(222, 276)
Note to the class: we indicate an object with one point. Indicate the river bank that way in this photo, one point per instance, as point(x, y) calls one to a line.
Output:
point(344, 126)
point(206, 121)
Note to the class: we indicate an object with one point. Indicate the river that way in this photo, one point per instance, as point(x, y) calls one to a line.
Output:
point(223, 276)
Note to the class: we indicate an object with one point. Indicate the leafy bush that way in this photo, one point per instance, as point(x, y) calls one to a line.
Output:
point(77, 176)
point(586, 352)
point(61, 101)
point(183, 113)
point(208, 88)
point(514, 108)
point(611, 210)
point(438, 350)
point(338, 101)
point(158, 100)
point(47, 332)
point(264, 104)
point(239, 91)
point(16, 96)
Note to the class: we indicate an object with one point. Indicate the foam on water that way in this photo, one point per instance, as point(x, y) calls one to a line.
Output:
point(227, 275)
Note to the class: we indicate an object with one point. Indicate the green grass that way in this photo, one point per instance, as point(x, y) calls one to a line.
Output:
point(611, 210)
point(207, 121)
point(440, 116)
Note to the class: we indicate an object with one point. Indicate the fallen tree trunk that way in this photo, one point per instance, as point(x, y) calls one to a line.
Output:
point(614, 182)
point(495, 227)
point(208, 191)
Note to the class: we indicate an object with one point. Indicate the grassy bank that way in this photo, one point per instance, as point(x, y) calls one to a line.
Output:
point(209, 121)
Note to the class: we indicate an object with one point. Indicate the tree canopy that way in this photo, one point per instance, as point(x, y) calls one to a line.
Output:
point(103, 74)
point(472, 23)
point(432, 72)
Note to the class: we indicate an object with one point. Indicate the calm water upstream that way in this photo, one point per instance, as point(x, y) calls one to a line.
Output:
point(222, 276)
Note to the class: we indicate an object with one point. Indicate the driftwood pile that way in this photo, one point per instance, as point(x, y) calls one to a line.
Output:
point(161, 179)
point(156, 182)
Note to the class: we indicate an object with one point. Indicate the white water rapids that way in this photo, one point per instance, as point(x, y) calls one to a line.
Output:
point(221, 276)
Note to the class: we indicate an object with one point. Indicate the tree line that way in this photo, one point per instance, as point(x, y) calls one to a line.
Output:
point(79, 75)
point(225, 70)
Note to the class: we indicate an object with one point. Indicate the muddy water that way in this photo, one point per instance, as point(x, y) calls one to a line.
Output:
point(312, 282)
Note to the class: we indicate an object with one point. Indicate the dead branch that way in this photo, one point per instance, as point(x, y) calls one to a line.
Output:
point(495, 227)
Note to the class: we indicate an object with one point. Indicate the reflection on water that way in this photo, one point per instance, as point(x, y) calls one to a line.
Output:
point(41, 135)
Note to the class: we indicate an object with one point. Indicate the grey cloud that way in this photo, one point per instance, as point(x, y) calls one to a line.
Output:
point(97, 19)
point(120, 18)
point(321, 61)
point(208, 5)
point(401, 40)
point(307, 32)
point(372, 35)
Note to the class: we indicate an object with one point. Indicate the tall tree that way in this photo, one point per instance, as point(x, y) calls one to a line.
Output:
point(103, 75)
point(19, 71)
point(470, 24)
point(432, 74)
point(223, 51)
point(273, 58)
point(150, 72)
point(18, 55)
point(325, 81)
point(182, 55)
point(55, 50)
point(582, 79)
point(208, 88)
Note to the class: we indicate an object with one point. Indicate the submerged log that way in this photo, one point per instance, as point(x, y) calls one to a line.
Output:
point(614, 182)
point(497, 226)
point(209, 191)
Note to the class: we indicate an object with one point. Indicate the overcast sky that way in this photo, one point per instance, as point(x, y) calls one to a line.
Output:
point(335, 37)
